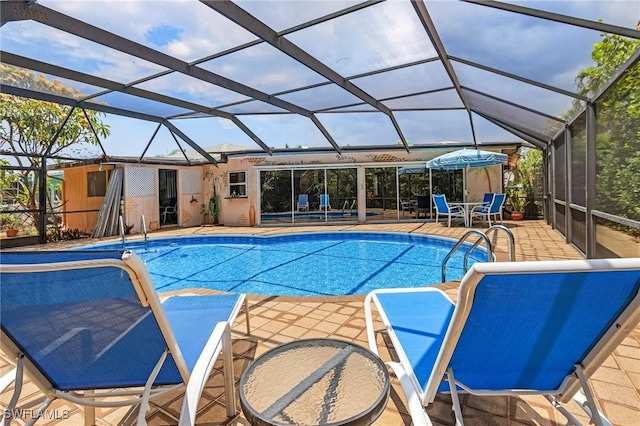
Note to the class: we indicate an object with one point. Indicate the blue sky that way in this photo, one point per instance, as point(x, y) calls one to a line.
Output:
point(380, 36)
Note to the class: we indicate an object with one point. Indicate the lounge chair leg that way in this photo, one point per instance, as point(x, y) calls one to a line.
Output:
point(454, 398)
point(36, 415)
point(7, 379)
point(89, 415)
point(246, 313)
point(17, 390)
point(589, 404)
point(229, 387)
point(572, 420)
point(144, 404)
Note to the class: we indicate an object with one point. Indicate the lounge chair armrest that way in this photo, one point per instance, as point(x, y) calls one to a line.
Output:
point(414, 401)
point(219, 341)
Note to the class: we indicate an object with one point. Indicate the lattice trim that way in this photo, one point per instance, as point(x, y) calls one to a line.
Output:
point(191, 181)
point(141, 182)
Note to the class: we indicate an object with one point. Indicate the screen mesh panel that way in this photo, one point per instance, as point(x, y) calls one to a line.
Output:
point(82, 328)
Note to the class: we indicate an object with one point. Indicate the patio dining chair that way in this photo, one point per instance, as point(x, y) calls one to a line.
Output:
point(168, 210)
point(487, 198)
point(407, 206)
point(422, 205)
point(445, 209)
point(517, 328)
point(88, 327)
point(493, 209)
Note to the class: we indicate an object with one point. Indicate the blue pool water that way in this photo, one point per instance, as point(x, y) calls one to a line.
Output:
point(302, 264)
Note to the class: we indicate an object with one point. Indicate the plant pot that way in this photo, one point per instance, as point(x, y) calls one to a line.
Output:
point(515, 215)
point(11, 232)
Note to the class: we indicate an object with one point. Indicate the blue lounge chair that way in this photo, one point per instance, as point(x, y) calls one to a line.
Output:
point(303, 202)
point(79, 321)
point(449, 210)
point(493, 209)
point(324, 202)
point(517, 328)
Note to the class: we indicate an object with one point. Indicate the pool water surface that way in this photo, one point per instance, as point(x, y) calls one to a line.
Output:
point(301, 264)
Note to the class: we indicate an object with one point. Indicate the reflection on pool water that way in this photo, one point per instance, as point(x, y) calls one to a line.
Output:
point(314, 215)
point(301, 264)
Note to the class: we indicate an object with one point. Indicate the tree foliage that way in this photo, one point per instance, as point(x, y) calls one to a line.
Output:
point(618, 126)
point(29, 126)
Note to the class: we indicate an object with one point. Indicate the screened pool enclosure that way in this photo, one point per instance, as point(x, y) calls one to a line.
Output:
point(157, 83)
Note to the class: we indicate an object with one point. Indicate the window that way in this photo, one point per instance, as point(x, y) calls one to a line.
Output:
point(237, 184)
point(96, 184)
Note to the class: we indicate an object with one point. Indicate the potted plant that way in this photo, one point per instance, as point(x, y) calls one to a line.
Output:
point(10, 223)
point(518, 202)
point(211, 209)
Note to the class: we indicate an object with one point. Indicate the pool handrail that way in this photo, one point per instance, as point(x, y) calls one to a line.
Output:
point(482, 236)
point(121, 223)
point(494, 229)
point(143, 227)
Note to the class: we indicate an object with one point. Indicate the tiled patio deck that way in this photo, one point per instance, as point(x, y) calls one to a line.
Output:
point(276, 320)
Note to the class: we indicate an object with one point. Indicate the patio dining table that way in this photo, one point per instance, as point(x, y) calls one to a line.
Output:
point(468, 208)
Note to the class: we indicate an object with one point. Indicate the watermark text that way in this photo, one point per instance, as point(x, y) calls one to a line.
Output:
point(28, 413)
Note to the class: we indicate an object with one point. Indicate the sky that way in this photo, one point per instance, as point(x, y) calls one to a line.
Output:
point(384, 35)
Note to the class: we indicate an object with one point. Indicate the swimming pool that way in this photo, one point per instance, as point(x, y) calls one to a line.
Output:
point(301, 264)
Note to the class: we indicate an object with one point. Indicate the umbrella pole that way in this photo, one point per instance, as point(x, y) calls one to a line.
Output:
point(488, 178)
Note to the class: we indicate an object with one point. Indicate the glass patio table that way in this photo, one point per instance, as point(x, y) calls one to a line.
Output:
point(467, 207)
point(315, 382)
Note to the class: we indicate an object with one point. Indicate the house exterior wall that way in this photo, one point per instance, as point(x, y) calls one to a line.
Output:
point(195, 186)
point(236, 211)
point(75, 198)
point(141, 195)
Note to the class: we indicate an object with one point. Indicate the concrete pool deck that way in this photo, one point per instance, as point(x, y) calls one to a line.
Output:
point(276, 320)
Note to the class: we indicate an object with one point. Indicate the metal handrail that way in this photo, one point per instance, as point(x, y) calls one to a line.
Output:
point(512, 240)
point(493, 229)
point(481, 235)
point(349, 206)
point(143, 226)
point(121, 222)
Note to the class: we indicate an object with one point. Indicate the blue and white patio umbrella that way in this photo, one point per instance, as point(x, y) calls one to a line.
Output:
point(463, 158)
point(467, 158)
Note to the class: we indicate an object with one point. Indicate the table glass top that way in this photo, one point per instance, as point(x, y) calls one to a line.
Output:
point(315, 381)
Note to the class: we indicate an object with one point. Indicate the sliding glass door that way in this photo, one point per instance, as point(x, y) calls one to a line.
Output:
point(275, 197)
point(315, 195)
point(382, 195)
point(325, 195)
